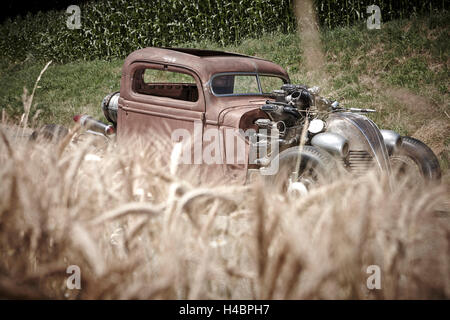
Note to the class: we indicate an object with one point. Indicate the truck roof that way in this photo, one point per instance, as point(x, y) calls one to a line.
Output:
point(206, 62)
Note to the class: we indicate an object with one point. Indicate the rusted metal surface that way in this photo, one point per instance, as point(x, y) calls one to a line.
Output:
point(201, 65)
point(138, 113)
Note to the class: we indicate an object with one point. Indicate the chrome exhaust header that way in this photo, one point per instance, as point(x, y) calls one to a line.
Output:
point(392, 140)
point(331, 142)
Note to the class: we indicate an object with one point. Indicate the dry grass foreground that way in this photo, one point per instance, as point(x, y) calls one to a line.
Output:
point(141, 228)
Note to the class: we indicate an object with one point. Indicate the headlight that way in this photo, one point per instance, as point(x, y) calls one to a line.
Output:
point(316, 126)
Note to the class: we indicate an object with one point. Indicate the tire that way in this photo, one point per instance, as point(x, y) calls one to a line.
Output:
point(50, 132)
point(415, 152)
point(316, 166)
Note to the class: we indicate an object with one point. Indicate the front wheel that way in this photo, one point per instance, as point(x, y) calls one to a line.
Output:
point(315, 167)
point(415, 157)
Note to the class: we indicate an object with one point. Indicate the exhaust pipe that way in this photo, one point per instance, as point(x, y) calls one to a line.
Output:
point(90, 123)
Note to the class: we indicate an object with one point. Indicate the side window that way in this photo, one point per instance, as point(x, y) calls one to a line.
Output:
point(164, 83)
point(235, 84)
point(245, 84)
point(270, 83)
point(223, 84)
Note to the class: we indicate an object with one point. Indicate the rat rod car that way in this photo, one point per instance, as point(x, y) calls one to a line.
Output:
point(165, 89)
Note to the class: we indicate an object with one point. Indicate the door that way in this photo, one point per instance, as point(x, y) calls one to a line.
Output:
point(163, 100)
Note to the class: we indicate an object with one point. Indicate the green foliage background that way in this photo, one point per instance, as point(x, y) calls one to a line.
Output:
point(333, 13)
point(114, 28)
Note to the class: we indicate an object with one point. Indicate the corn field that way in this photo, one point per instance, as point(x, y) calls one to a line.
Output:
point(333, 13)
point(117, 27)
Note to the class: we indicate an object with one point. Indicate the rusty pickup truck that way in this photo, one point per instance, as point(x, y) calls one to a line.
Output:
point(247, 118)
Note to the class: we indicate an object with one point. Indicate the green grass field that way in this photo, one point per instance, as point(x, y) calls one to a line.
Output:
point(401, 70)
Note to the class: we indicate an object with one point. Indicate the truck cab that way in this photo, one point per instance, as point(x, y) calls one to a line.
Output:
point(201, 91)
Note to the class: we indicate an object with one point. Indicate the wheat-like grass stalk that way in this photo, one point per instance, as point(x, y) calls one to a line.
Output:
point(193, 239)
point(28, 99)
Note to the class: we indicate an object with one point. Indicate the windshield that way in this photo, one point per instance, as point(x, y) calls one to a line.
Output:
point(244, 84)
